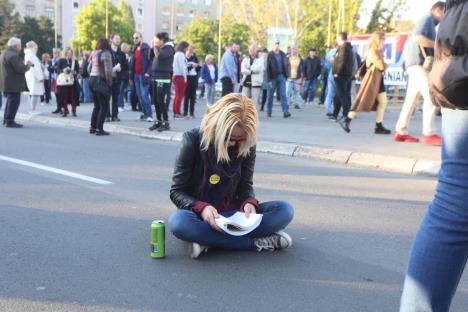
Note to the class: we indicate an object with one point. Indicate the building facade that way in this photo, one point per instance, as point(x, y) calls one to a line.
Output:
point(151, 16)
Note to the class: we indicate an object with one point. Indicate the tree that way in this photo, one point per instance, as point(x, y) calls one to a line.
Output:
point(41, 31)
point(91, 23)
point(203, 33)
point(382, 16)
point(9, 23)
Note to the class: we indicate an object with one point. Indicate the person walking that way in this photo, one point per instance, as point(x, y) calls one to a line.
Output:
point(12, 80)
point(342, 74)
point(228, 70)
point(440, 247)
point(295, 76)
point(253, 71)
point(179, 78)
point(46, 68)
point(329, 98)
point(119, 67)
point(209, 74)
point(53, 81)
point(161, 74)
point(34, 76)
point(277, 72)
point(123, 94)
point(423, 39)
point(100, 83)
point(193, 71)
point(69, 92)
point(213, 177)
point(325, 66)
point(372, 94)
point(312, 71)
point(140, 70)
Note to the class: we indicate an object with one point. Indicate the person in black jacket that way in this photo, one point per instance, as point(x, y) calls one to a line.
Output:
point(161, 75)
point(313, 68)
point(213, 176)
point(343, 72)
point(119, 68)
point(277, 73)
point(193, 73)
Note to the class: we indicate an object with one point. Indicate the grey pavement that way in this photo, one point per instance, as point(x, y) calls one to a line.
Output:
point(307, 134)
point(71, 245)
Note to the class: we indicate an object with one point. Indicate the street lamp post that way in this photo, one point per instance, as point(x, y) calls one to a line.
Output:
point(107, 18)
point(220, 15)
point(329, 22)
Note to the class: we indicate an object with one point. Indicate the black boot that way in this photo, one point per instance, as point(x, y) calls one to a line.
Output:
point(164, 127)
point(344, 123)
point(156, 126)
point(380, 129)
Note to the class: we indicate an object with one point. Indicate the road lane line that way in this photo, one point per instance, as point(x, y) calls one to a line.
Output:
point(55, 170)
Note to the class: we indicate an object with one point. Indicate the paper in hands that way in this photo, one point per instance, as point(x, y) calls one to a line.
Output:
point(238, 224)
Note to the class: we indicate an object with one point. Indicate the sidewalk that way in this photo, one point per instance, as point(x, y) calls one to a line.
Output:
point(308, 133)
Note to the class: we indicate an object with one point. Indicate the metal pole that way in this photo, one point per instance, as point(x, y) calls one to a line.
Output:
point(329, 22)
point(172, 17)
point(55, 23)
point(220, 15)
point(107, 18)
point(296, 18)
point(342, 15)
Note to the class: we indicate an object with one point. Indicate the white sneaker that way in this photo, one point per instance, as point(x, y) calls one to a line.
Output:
point(277, 241)
point(149, 119)
point(120, 109)
point(196, 249)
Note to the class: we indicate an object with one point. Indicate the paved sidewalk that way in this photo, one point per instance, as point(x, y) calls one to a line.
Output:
point(308, 133)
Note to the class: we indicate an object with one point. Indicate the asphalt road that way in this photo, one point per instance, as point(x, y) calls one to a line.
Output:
point(68, 244)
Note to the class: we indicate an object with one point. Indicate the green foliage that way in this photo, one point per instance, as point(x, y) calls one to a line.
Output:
point(382, 17)
point(41, 31)
point(314, 23)
point(204, 34)
point(91, 23)
point(9, 23)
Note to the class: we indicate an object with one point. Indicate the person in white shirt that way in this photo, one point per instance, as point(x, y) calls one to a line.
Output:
point(34, 76)
point(179, 78)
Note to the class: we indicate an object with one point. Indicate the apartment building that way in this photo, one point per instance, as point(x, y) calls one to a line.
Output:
point(151, 16)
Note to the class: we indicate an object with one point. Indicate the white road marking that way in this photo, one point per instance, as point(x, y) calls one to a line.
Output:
point(55, 170)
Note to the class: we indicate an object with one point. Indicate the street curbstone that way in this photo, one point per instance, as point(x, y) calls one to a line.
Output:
point(426, 168)
point(285, 149)
point(350, 158)
point(322, 153)
point(382, 162)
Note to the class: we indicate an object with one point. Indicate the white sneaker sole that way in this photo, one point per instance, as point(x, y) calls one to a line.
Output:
point(288, 240)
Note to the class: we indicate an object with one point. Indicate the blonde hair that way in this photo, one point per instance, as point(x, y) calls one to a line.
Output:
point(65, 52)
point(221, 118)
point(209, 57)
point(374, 43)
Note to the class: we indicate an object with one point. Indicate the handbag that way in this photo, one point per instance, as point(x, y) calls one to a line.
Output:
point(362, 71)
point(428, 60)
point(100, 85)
point(64, 80)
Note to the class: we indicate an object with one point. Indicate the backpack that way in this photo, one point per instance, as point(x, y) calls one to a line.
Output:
point(448, 80)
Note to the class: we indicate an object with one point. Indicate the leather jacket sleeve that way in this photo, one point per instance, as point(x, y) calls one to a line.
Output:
point(183, 171)
point(245, 187)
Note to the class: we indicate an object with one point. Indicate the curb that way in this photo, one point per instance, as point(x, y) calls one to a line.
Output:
point(345, 157)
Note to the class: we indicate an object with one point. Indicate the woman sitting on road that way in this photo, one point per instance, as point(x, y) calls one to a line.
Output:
point(213, 176)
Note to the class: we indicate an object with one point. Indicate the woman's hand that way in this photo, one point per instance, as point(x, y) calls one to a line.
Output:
point(209, 214)
point(248, 209)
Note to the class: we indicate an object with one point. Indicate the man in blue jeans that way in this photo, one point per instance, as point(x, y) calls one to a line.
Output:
point(312, 71)
point(140, 67)
point(277, 72)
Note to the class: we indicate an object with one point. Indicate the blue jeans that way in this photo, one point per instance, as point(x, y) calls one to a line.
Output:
point(210, 93)
point(188, 226)
point(294, 92)
point(142, 90)
point(440, 248)
point(122, 95)
point(310, 87)
point(330, 95)
point(278, 84)
point(1, 101)
point(87, 96)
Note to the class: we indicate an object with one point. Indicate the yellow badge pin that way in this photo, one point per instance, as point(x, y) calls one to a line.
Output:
point(214, 179)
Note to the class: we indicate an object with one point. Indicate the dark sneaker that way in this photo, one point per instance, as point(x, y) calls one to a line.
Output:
point(102, 133)
point(156, 126)
point(380, 129)
point(115, 119)
point(332, 118)
point(164, 127)
point(287, 115)
point(277, 241)
point(13, 125)
point(92, 130)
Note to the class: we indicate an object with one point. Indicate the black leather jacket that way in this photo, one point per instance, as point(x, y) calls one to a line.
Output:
point(188, 174)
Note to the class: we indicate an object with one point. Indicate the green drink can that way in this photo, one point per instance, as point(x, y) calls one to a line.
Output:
point(157, 240)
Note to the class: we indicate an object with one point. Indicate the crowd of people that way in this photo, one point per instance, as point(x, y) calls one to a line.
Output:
point(161, 72)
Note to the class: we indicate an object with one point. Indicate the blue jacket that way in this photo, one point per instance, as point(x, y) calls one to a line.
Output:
point(145, 61)
point(205, 74)
point(229, 66)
